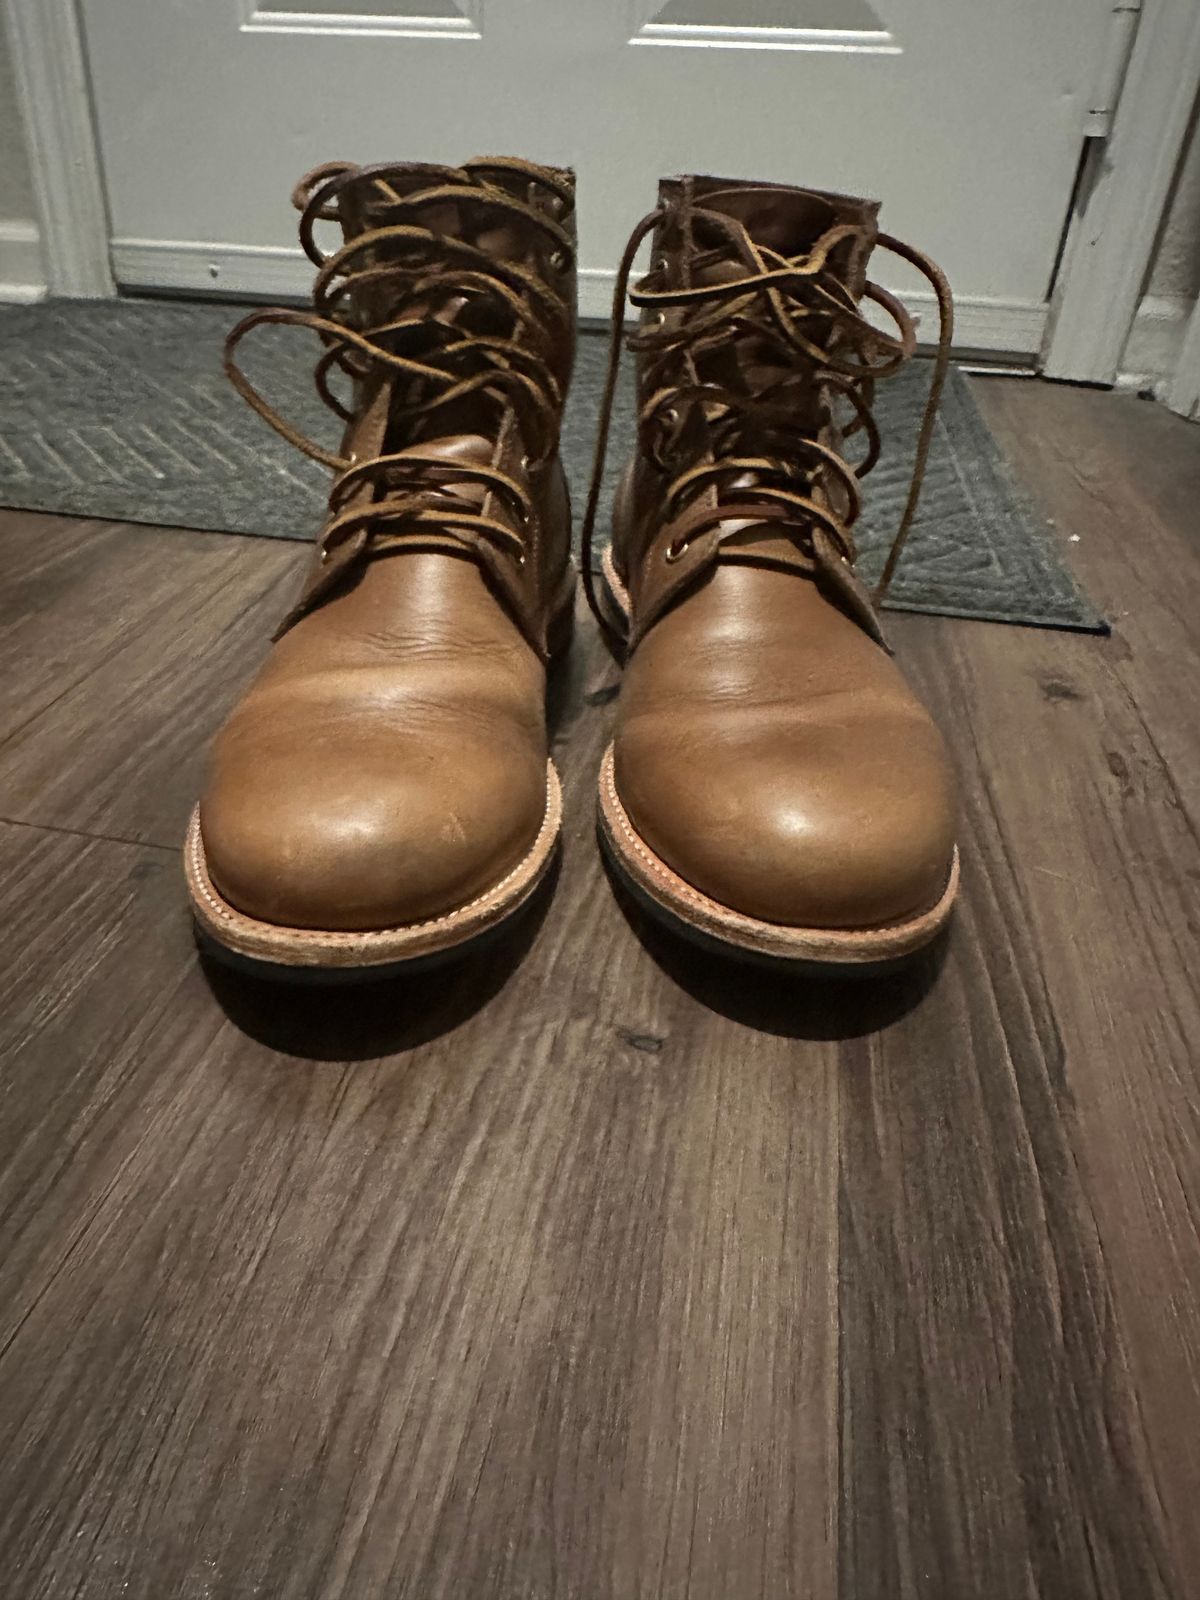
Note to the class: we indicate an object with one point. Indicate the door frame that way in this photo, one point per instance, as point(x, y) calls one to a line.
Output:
point(1183, 391)
point(1125, 184)
point(1109, 245)
point(54, 97)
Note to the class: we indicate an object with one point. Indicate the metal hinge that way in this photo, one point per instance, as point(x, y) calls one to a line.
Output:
point(1113, 66)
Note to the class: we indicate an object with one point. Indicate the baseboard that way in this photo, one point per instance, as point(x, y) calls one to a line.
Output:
point(265, 272)
point(1155, 341)
point(22, 277)
point(185, 266)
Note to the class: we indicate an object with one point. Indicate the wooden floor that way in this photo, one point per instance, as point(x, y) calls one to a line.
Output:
point(597, 1269)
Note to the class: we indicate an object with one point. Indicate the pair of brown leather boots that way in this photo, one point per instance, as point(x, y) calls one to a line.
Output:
point(383, 793)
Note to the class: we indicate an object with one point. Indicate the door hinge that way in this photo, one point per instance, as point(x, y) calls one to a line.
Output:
point(1114, 64)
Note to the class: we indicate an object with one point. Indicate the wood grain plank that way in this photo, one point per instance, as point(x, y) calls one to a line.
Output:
point(95, 945)
point(993, 1435)
point(1019, 1285)
point(1090, 757)
point(112, 679)
point(1119, 478)
point(65, 603)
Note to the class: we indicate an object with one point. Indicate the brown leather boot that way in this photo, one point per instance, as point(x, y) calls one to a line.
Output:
point(383, 792)
point(773, 785)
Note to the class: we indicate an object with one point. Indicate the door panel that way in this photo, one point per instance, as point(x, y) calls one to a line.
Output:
point(965, 117)
point(854, 16)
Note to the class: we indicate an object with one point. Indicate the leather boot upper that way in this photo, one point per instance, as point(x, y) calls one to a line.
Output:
point(767, 747)
point(389, 762)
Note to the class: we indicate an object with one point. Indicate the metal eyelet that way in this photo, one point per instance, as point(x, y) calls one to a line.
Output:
point(537, 197)
point(671, 416)
point(675, 551)
point(658, 320)
point(559, 261)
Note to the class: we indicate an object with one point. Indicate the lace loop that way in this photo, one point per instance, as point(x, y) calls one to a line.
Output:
point(437, 319)
point(776, 300)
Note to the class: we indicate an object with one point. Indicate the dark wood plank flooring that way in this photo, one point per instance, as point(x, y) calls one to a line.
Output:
point(596, 1268)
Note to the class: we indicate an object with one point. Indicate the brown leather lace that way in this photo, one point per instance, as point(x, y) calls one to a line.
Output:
point(439, 299)
point(778, 299)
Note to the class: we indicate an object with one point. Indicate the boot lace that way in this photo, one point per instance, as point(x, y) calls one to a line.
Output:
point(435, 318)
point(801, 311)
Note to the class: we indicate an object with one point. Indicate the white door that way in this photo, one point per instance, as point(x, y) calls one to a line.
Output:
point(966, 117)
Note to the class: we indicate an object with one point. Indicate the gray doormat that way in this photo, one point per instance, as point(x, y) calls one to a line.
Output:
point(120, 410)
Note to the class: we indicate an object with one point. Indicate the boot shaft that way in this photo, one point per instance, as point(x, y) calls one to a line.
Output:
point(422, 218)
point(448, 320)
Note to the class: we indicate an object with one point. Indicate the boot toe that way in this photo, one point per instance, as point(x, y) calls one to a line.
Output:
point(400, 838)
point(808, 829)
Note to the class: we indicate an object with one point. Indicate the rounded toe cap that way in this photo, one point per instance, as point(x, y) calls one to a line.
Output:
point(368, 842)
point(847, 831)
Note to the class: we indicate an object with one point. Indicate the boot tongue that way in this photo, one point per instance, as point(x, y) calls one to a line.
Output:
point(456, 449)
point(790, 223)
point(373, 205)
point(786, 220)
point(455, 433)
